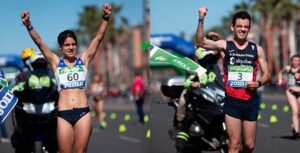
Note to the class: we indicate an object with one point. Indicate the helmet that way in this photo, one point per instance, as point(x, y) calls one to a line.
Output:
point(36, 56)
point(26, 53)
point(38, 61)
point(208, 57)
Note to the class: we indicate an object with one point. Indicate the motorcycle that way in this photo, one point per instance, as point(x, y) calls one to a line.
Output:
point(35, 120)
point(207, 131)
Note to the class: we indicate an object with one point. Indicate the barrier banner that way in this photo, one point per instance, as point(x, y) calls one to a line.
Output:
point(159, 55)
point(7, 99)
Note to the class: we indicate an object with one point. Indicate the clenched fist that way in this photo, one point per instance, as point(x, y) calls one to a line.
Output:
point(202, 12)
point(106, 10)
point(25, 18)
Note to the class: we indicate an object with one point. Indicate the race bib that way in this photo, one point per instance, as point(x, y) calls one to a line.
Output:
point(292, 80)
point(238, 76)
point(72, 77)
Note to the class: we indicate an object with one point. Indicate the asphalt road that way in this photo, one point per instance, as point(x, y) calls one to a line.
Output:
point(273, 135)
point(131, 139)
point(273, 131)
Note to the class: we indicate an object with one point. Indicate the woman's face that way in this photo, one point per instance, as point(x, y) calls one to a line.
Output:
point(69, 47)
point(295, 61)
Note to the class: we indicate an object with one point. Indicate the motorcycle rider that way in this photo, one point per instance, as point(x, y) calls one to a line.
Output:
point(26, 71)
point(208, 60)
point(35, 77)
point(34, 63)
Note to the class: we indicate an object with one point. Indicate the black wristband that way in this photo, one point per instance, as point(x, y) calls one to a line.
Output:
point(105, 18)
point(29, 28)
point(259, 83)
point(200, 20)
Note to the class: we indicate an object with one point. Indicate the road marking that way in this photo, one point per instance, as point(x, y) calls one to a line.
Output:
point(263, 125)
point(129, 139)
point(274, 107)
point(259, 116)
point(286, 108)
point(113, 116)
point(122, 128)
point(127, 117)
point(273, 119)
point(103, 124)
point(262, 105)
point(148, 134)
point(146, 118)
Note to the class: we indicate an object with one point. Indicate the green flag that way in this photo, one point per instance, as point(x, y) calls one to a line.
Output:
point(158, 55)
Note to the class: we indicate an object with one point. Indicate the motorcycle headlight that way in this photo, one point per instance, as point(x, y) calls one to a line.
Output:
point(29, 108)
point(208, 98)
point(197, 129)
point(45, 108)
point(48, 107)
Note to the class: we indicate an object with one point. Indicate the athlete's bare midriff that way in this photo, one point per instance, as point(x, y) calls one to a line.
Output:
point(72, 98)
point(294, 88)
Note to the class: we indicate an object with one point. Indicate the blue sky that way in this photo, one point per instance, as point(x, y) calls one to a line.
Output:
point(53, 16)
point(49, 17)
point(175, 16)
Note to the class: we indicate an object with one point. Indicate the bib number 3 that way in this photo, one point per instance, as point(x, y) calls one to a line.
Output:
point(238, 76)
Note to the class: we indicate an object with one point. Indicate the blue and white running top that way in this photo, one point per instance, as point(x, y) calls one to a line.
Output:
point(70, 76)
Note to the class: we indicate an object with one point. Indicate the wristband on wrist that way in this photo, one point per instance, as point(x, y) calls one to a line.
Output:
point(200, 20)
point(259, 83)
point(105, 18)
point(29, 28)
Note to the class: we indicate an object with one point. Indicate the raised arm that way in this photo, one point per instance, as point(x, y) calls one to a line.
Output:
point(51, 58)
point(206, 43)
point(90, 52)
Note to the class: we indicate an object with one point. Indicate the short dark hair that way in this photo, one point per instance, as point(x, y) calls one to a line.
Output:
point(295, 56)
point(213, 37)
point(241, 15)
point(64, 35)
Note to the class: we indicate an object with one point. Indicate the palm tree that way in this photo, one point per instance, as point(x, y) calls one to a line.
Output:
point(285, 10)
point(266, 20)
point(89, 21)
point(276, 14)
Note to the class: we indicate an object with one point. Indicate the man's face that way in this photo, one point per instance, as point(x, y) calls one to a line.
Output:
point(241, 28)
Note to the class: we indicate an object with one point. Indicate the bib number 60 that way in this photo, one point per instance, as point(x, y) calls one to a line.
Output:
point(72, 76)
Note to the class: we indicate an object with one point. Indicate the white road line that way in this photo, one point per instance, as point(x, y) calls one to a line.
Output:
point(130, 139)
point(263, 125)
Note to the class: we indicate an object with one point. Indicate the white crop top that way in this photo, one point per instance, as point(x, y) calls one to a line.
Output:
point(70, 76)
